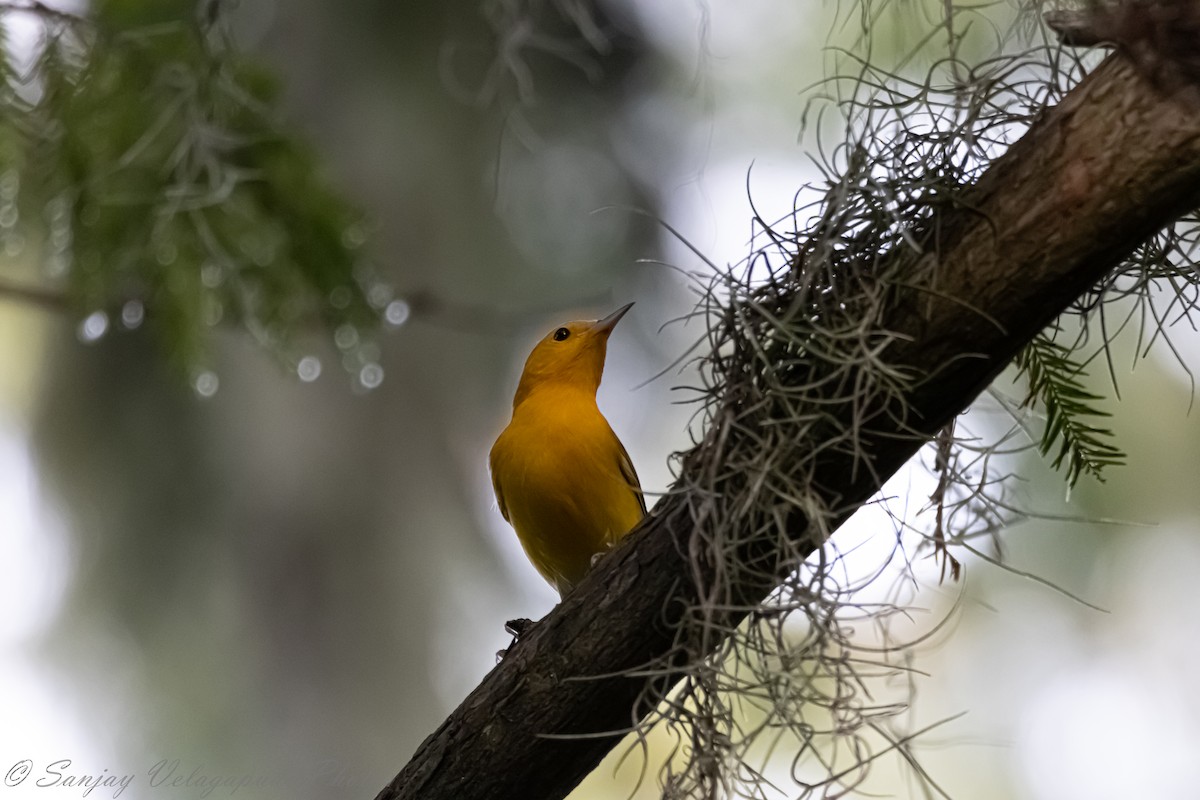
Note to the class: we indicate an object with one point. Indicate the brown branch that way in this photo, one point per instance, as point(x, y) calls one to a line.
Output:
point(1116, 161)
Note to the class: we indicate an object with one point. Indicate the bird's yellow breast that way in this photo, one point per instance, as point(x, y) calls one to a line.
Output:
point(565, 483)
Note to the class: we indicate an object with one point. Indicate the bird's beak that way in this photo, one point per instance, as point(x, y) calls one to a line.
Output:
point(606, 325)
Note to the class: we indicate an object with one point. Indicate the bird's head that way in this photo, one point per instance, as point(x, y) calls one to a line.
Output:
point(571, 354)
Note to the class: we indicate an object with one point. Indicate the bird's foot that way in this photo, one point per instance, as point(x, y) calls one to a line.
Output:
point(601, 554)
point(516, 628)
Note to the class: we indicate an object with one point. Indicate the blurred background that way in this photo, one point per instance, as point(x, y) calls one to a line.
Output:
point(301, 572)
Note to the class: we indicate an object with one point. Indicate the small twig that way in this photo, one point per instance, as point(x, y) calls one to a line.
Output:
point(436, 310)
point(1078, 28)
point(48, 299)
point(942, 465)
point(426, 306)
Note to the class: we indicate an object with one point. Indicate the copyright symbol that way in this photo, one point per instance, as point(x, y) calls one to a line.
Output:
point(18, 773)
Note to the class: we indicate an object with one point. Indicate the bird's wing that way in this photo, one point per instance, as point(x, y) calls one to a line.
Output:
point(625, 464)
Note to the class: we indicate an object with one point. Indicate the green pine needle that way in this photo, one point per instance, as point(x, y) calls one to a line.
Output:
point(1078, 445)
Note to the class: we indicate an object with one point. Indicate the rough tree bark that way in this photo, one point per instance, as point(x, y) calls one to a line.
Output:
point(1112, 164)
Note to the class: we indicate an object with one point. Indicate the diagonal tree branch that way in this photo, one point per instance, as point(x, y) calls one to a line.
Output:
point(1112, 164)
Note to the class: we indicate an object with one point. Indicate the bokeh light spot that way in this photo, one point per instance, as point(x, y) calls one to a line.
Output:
point(132, 314)
point(371, 375)
point(345, 337)
point(94, 326)
point(397, 313)
point(206, 384)
point(309, 369)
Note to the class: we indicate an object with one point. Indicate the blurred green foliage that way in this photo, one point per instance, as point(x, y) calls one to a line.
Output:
point(290, 575)
point(159, 183)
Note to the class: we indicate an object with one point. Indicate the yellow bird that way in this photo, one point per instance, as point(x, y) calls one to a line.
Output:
point(562, 478)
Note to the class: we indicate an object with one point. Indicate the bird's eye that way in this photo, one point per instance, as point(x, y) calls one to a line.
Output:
point(561, 334)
